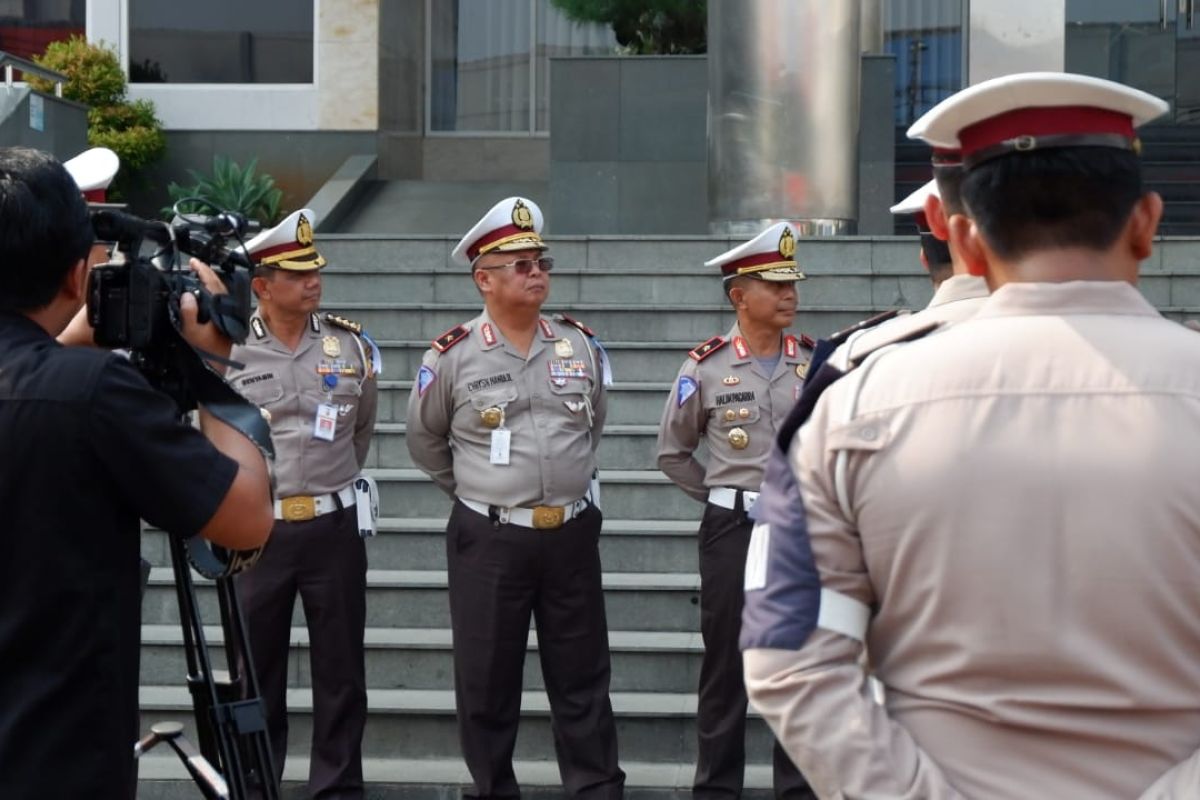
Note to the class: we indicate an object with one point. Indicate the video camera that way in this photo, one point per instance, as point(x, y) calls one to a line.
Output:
point(133, 301)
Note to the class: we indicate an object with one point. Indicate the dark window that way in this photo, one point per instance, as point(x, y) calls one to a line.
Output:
point(221, 41)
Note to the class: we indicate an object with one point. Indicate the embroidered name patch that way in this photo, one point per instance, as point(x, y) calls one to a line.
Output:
point(425, 379)
point(491, 380)
point(687, 388)
point(735, 397)
point(266, 376)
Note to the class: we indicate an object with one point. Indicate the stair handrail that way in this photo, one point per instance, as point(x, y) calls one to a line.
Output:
point(9, 62)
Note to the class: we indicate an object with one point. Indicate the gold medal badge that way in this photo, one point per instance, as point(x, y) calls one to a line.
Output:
point(563, 348)
point(744, 413)
point(331, 346)
point(738, 439)
point(492, 417)
point(730, 415)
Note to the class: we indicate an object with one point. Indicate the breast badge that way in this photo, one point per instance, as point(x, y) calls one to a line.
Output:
point(563, 348)
point(492, 417)
point(738, 439)
point(730, 415)
point(731, 380)
point(801, 370)
point(331, 346)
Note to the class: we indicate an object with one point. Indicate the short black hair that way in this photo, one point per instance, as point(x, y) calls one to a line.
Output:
point(949, 184)
point(1065, 197)
point(45, 228)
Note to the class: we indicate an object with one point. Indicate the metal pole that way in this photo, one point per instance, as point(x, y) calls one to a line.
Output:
point(783, 115)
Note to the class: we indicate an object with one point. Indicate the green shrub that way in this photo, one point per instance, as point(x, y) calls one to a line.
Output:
point(94, 77)
point(231, 188)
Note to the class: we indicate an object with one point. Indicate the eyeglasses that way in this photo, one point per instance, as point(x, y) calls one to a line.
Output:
point(524, 266)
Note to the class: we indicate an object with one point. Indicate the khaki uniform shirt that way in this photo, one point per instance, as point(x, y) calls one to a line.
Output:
point(553, 403)
point(724, 397)
point(289, 385)
point(1023, 525)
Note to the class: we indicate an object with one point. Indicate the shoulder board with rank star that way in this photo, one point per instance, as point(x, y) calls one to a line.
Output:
point(584, 329)
point(807, 341)
point(343, 323)
point(703, 351)
point(450, 338)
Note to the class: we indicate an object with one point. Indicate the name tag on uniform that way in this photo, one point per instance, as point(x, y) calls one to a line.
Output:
point(501, 440)
point(325, 425)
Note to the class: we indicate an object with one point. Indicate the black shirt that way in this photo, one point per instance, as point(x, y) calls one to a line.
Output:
point(86, 448)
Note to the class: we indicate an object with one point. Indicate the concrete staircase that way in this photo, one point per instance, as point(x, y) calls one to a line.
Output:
point(650, 300)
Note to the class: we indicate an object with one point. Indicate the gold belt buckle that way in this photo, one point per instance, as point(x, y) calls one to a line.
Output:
point(548, 517)
point(300, 508)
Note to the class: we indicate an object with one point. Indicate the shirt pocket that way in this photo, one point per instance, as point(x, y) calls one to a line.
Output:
point(260, 390)
point(483, 403)
point(573, 398)
point(722, 419)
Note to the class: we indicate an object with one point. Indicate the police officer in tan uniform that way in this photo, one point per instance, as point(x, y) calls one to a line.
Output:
point(733, 391)
point(1002, 518)
point(314, 374)
point(505, 416)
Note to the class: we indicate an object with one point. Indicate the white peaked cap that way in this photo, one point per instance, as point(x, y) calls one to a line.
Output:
point(515, 223)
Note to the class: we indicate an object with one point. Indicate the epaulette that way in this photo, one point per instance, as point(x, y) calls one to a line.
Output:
point(703, 351)
point(343, 323)
point(450, 338)
point(869, 322)
point(584, 329)
point(896, 334)
point(807, 341)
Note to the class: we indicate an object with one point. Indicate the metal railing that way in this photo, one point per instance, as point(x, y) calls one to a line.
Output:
point(11, 62)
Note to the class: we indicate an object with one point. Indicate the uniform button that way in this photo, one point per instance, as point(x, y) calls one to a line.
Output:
point(869, 434)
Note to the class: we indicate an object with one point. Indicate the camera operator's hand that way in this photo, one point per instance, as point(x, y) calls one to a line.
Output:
point(204, 336)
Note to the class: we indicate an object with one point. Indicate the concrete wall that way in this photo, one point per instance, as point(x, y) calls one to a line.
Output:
point(63, 123)
point(628, 146)
point(628, 152)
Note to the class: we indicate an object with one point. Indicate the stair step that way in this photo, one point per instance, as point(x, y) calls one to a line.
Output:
point(635, 601)
point(416, 724)
point(422, 658)
point(163, 777)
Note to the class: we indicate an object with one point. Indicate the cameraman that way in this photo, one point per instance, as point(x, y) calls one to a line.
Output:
point(88, 448)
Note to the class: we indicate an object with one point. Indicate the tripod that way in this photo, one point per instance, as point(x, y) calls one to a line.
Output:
point(235, 752)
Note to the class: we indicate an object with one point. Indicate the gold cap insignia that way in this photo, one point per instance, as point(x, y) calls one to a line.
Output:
point(787, 244)
point(304, 233)
point(522, 217)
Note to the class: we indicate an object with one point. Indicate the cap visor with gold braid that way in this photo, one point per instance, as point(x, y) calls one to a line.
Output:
point(515, 223)
point(770, 256)
point(289, 245)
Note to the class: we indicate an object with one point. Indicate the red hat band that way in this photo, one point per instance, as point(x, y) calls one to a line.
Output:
point(1026, 129)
